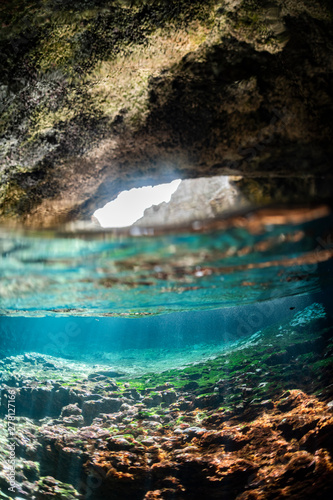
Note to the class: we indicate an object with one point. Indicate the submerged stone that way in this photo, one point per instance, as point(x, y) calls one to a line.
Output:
point(245, 447)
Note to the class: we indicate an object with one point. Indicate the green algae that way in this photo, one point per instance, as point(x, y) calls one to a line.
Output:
point(252, 363)
point(74, 69)
point(60, 490)
point(11, 196)
point(66, 44)
point(248, 388)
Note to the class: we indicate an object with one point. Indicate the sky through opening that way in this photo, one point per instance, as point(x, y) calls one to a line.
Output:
point(129, 206)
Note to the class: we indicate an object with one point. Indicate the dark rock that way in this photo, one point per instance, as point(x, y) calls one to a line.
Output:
point(91, 409)
point(70, 410)
point(135, 394)
point(73, 421)
point(30, 470)
point(300, 465)
point(268, 404)
point(148, 442)
point(169, 397)
point(163, 387)
point(277, 358)
point(38, 402)
point(320, 436)
point(190, 386)
point(208, 401)
point(294, 427)
point(232, 441)
point(96, 377)
point(181, 405)
point(217, 419)
point(193, 476)
point(194, 431)
point(115, 444)
point(60, 459)
point(153, 400)
point(290, 399)
point(48, 487)
point(91, 397)
point(50, 365)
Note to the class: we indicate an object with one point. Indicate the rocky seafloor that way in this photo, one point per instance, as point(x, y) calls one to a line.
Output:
point(254, 422)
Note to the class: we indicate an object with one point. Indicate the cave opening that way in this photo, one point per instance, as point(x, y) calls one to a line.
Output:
point(178, 202)
point(129, 206)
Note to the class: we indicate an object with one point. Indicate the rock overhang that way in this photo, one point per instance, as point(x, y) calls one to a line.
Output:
point(125, 94)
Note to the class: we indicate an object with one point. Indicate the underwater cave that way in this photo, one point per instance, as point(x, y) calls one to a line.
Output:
point(166, 244)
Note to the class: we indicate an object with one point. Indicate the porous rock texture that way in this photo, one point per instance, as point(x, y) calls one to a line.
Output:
point(247, 425)
point(100, 95)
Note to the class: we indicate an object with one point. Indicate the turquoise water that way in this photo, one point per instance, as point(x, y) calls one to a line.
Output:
point(148, 344)
point(66, 294)
point(104, 274)
point(118, 298)
point(162, 366)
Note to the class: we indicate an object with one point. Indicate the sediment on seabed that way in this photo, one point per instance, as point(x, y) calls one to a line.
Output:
point(254, 422)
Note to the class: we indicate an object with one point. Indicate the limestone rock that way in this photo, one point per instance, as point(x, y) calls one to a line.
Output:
point(99, 96)
point(195, 200)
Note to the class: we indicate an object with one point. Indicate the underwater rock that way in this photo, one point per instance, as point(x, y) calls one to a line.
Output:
point(118, 443)
point(48, 487)
point(232, 441)
point(73, 421)
point(38, 402)
point(194, 431)
point(299, 437)
point(134, 394)
point(208, 401)
point(30, 470)
point(190, 386)
point(272, 442)
point(103, 374)
point(169, 397)
point(153, 400)
point(181, 404)
point(69, 410)
point(290, 399)
point(320, 435)
point(91, 409)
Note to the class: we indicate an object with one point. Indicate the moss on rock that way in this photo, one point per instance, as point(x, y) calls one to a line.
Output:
point(98, 95)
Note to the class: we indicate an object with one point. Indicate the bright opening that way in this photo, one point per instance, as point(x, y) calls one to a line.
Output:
point(130, 205)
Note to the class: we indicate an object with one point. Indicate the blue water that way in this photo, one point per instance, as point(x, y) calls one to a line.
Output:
point(122, 340)
point(106, 338)
point(186, 296)
point(109, 275)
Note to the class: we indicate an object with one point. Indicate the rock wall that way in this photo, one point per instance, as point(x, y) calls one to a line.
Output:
point(195, 200)
point(98, 96)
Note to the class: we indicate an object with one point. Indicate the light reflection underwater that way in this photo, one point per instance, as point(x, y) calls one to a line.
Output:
point(149, 343)
point(239, 261)
point(178, 366)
